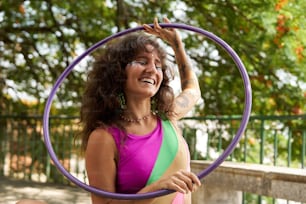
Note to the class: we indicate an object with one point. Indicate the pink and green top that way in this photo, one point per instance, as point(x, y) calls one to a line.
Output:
point(143, 159)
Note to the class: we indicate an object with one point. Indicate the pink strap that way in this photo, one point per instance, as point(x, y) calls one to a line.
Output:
point(179, 199)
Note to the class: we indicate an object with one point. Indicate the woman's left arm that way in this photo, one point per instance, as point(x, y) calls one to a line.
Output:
point(191, 92)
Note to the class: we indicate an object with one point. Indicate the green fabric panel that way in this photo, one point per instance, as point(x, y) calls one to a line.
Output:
point(167, 152)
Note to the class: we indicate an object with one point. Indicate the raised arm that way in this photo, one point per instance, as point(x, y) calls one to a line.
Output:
point(191, 93)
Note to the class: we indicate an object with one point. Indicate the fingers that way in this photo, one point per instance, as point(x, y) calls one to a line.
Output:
point(153, 29)
point(156, 25)
point(148, 28)
point(169, 35)
point(192, 181)
point(186, 177)
point(166, 20)
point(183, 182)
point(156, 29)
point(178, 185)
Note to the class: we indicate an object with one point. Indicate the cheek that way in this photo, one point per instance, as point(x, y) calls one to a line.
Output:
point(161, 78)
point(130, 73)
point(128, 78)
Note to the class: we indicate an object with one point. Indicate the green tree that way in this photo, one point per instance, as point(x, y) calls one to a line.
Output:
point(254, 30)
point(39, 39)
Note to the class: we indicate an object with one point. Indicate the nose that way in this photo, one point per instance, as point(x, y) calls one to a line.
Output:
point(151, 67)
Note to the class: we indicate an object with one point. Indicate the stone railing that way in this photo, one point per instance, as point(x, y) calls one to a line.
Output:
point(226, 183)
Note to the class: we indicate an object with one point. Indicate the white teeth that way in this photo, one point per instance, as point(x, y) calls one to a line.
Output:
point(148, 80)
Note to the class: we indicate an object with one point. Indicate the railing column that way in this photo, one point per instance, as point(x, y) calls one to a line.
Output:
point(289, 148)
point(275, 147)
point(303, 149)
point(262, 141)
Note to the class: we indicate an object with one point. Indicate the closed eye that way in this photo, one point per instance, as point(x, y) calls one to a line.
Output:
point(144, 62)
point(159, 68)
point(141, 62)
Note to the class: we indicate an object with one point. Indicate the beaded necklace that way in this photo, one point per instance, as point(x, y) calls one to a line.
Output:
point(130, 120)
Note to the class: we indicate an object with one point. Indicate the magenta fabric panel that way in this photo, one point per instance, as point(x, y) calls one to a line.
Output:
point(137, 156)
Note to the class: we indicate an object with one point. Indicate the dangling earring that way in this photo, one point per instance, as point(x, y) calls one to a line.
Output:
point(154, 106)
point(122, 101)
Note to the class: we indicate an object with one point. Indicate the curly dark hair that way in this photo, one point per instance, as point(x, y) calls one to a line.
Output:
point(106, 80)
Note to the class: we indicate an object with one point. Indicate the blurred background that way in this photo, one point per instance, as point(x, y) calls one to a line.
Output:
point(39, 39)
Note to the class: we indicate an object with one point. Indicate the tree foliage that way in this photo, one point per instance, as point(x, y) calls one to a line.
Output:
point(39, 39)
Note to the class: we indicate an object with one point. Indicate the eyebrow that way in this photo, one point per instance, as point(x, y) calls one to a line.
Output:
point(146, 57)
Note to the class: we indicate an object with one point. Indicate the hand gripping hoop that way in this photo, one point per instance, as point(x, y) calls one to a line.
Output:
point(205, 172)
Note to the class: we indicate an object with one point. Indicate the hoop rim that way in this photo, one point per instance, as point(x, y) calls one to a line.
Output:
point(202, 174)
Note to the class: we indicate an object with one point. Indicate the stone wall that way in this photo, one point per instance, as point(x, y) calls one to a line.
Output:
point(225, 184)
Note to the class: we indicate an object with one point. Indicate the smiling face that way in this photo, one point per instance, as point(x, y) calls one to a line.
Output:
point(144, 74)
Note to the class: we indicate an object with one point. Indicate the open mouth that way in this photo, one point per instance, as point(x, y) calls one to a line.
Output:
point(148, 80)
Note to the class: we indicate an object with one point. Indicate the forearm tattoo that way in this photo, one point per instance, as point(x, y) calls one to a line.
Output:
point(186, 82)
point(187, 98)
point(176, 44)
point(186, 75)
point(183, 101)
point(183, 70)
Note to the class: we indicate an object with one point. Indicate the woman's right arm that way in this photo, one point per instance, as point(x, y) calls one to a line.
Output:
point(101, 163)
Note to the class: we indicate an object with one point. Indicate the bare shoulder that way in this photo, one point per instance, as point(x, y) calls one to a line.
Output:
point(100, 140)
point(101, 157)
point(100, 135)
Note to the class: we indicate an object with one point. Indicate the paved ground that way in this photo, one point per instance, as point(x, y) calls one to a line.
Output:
point(14, 190)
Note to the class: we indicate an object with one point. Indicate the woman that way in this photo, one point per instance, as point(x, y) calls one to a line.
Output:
point(129, 114)
point(131, 140)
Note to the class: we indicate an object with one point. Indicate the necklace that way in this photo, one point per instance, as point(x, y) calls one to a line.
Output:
point(131, 120)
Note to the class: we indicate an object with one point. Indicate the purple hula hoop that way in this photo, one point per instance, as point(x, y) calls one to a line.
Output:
point(205, 172)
